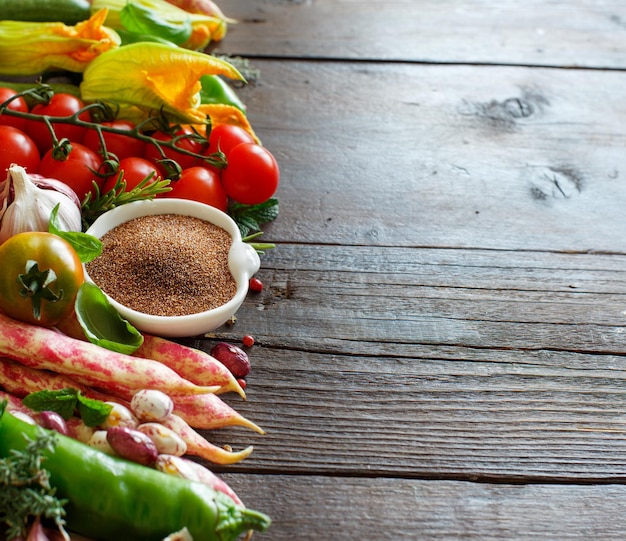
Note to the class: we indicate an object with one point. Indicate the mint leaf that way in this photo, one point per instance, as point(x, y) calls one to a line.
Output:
point(92, 412)
point(62, 401)
point(102, 323)
point(250, 218)
point(66, 401)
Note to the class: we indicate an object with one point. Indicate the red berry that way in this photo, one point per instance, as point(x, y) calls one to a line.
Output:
point(248, 341)
point(256, 285)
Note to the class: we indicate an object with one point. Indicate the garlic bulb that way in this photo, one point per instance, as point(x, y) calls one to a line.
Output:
point(26, 202)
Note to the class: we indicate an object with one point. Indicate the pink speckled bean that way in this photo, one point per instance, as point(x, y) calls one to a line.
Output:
point(120, 416)
point(151, 405)
point(39, 347)
point(98, 440)
point(165, 439)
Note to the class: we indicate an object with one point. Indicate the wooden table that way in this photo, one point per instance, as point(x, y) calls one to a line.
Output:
point(440, 343)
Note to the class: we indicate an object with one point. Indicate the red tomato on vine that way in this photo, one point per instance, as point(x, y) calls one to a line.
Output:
point(134, 171)
point(17, 147)
point(78, 170)
point(17, 104)
point(121, 146)
point(200, 184)
point(252, 175)
point(188, 142)
point(61, 105)
point(225, 137)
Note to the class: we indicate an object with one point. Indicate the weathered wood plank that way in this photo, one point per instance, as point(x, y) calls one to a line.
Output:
point(584, 33)
point(445, 156)
point(488, 420)
point(435, 363)
point(376, 300)
point(316, 508)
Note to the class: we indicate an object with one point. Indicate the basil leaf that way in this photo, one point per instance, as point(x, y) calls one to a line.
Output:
point(134, 37)
point(102, 323)
point(86, 246)
point(93, 412)
point(142, 20)
point(62, 401)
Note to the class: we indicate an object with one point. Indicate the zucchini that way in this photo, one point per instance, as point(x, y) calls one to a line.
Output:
point(41, 11)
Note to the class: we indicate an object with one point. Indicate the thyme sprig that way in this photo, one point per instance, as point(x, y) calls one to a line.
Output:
point(25, 491)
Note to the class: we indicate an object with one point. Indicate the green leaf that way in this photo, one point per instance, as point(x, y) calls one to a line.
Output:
point(250, 218)
point(143, 20)
point(87, 247)
point(62, 401)
point(102, 323)
point(66, 401)
point(92, 412)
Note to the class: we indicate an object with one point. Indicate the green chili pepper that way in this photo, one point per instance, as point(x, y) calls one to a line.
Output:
point(216, 90)
point(113, 499)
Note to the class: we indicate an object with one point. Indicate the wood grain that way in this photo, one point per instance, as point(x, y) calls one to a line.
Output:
point(569, 34)
point(445, 156)
point(435, 364)
point(344, 508)
point(440, 347)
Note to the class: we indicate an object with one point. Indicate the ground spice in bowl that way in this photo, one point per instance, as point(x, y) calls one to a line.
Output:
point(165, 265)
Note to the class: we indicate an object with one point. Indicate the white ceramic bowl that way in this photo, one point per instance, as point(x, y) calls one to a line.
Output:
point(243, 262)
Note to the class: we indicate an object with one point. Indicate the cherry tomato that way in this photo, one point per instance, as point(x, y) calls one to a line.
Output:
point(18, 104)
point(17, 147)
point(61, 105)
point(200, 184)
point(226, 137)
point(184, 160)
point(122, 146)
point(50, 253)
point(77, 171)
point(251, 176)
point(135, 170)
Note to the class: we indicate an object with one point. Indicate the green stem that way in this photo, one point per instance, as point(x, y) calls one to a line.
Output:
point(218, 159)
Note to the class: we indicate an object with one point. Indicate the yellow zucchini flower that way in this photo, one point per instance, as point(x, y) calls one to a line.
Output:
point(220, 113)
point(154, 78)
point(28, 48)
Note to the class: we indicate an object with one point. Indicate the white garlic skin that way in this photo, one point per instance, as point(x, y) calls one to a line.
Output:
point(24, 206)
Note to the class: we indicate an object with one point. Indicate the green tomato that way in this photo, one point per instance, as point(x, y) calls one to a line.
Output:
point(39, 278)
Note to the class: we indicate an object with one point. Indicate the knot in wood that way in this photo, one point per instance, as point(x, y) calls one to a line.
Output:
point(517, 108)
